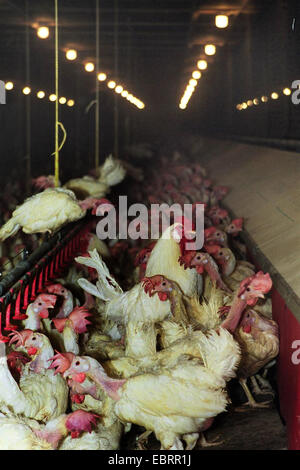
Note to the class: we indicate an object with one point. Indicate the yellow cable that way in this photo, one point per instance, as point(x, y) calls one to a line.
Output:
point(57, 102)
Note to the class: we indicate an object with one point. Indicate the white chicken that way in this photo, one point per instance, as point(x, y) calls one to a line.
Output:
point(40, 394)
point(18, 433)
point(111, 174)
point(47, 212)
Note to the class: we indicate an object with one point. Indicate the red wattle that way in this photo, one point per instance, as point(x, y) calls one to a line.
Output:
point(79, 377)
point(247, 328)
point(32, 351)
point(163, 296)
point(44, 314)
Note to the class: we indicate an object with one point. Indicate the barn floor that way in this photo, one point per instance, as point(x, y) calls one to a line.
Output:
point(258, 429)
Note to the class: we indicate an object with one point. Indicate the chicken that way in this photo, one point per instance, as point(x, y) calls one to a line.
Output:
point(172, 402)
point(259, 342)
point(71, 327)
point(17, 433)
point(233, 270)
point(68, 302)
point(38, 310)
point(44, 182)
point(134, 308)
point(47, 212)
point(40, 394)
point(203, 262)
point(111, 174)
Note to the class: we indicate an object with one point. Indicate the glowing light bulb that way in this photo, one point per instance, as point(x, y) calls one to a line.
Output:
point(244, 105)
point(70, 103)
point(89, 67)
point(249, 103)
point(62, 100)
point(256, 101)
point(239, 107)
point(124, 93)
point(182, 106)
point(9, 85)
point(102, 77)
point(26, 90)
point(286, 91)
point(196, 74)
point(193, 82)
point(119, 89)
point(43, 32)
point(210, 49)
point(71, 54)
point(221, 21)
point(41, 94)
point(274, 95)
point(190, 88)
point(53, 97)
point(111, 84)
point(202, 64)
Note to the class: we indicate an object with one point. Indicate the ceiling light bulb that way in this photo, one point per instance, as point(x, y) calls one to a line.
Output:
point(210, 49)
point(41, 94)
point(221, 21)
point(287, 91)
point(264, 99)
point(102, 77)
point(118, 89)
point(70, 103)
point(89, 67)
point(249, 103)
point(53, 97)
point(124, 93)
point(193, 82)
point(26, 90)
point(274, 95)
point(71, 54)
point(43, 32)
point(256, 101)
point(196, 74)
point(62, 100)
point(111, 84)
point(202, 64)
point(9, 85)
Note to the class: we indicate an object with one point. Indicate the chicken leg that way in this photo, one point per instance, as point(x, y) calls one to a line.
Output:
point(251, 401)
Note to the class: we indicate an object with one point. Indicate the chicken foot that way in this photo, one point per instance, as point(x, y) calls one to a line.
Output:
point(143, 439)
point(214, 442)
point(190, 440)
point(251, 401)
point(261, 386)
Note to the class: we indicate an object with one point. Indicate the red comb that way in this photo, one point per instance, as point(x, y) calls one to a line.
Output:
point(61, 362)
point(20, 337)
point(212, 249)
point(79, 319)
point(81, 421)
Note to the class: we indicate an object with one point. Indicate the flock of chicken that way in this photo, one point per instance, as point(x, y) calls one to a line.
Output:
point(90, 359)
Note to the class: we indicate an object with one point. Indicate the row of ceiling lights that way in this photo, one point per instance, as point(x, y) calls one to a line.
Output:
point(264, 99)
point(221, 21)
point(9, 86)
point(71, 54)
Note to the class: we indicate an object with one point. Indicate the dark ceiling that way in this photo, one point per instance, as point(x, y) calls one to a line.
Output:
point(159, 43)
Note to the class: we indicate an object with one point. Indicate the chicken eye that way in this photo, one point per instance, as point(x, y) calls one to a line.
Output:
point(77, 363)
point(198, 257)
point(248, 289)
point(34, 338)
point(40, 303)
point(163, 284)
point(63, 291)
point(221, 253)
point(218, 234)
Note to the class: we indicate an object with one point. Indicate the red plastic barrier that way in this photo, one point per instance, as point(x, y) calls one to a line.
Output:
point(13, 305)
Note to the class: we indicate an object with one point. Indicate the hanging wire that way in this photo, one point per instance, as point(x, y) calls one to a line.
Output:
point(97, 107)
point(57, 149)
point(116, 71)
point(28, 104)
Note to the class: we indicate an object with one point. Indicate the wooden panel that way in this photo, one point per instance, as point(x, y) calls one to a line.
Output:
point(265, 190)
